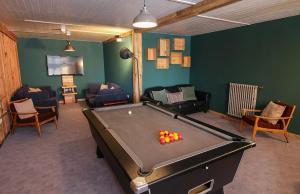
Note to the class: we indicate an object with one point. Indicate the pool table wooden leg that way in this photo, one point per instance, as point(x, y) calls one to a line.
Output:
point(99, 153)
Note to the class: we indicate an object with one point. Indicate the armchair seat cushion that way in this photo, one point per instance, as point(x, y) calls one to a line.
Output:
point(261, 123)
point(42, 117)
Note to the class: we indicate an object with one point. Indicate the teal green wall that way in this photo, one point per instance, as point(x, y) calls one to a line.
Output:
point(266, 54)
point(118, 70)
point(33, 63)
point(166, 77)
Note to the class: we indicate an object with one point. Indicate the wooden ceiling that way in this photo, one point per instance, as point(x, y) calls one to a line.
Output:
point(99, 20)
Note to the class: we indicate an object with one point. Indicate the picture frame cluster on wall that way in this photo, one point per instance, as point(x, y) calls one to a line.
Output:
point(164, 56)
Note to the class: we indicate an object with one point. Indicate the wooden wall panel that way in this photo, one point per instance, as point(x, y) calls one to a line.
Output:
point(10, 77)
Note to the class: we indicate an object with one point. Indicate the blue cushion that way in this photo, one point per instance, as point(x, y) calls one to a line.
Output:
point(115, 86)
point(110, 91)
point(93, 88)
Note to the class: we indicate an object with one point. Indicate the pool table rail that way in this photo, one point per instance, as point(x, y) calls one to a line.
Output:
point(128, 171)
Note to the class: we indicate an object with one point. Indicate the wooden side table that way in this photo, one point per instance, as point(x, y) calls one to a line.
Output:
point(69, 93)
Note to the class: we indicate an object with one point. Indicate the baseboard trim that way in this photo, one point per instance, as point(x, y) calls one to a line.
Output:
point(78, 100)
point(230, 118)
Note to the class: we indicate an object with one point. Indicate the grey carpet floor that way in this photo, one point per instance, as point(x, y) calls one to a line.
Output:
point(63, 161)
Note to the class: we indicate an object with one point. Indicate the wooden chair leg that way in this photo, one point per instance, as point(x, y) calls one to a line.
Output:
point(37, 125)
point(38, 129)
point(13, 130)
point(241, 125)
point(254, 134)
point(286, 136)
point(14, 126)
point(55, 121)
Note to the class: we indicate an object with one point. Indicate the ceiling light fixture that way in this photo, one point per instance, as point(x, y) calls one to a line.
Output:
point(184, 2)
point(63, 28)
point(119, 38)
point(144, 19)
point(69, 47)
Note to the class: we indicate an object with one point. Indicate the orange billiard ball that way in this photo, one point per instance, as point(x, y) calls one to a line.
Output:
point(162, 137)
point(161, 133)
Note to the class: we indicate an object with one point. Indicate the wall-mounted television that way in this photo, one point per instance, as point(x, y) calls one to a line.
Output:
point(65, 65)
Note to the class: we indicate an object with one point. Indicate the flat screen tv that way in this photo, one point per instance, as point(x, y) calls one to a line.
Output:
point(65, 65)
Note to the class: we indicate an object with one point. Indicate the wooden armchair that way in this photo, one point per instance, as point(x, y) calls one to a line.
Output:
point(260, 123)
point(37, 119)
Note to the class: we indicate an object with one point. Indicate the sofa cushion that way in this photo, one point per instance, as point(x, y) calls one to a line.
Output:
point(103, 87)
point(188, 93)
point(273, 110)
point(34, 90)
point(37, 96)
point(174, 97)
point(172, 89)
point(20, 93)
point(108, 91)
point(160, 96)
point(93, 88)
point(113, 86)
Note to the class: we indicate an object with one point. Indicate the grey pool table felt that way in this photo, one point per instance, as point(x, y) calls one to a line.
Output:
point(138, 134)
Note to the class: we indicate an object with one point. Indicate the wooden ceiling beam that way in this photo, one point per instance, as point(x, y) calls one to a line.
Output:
point(125, 34)
point(191, 11)
point(5, 30)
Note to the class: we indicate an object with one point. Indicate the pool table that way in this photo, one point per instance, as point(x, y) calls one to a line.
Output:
point(127, 136)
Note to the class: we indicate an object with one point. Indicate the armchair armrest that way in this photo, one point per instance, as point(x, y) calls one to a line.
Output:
point(272, 118)
point(145, 98)
point(50, 102)
point(244, 111)
point(202, 95)
point(26, 113)
point(284, 120)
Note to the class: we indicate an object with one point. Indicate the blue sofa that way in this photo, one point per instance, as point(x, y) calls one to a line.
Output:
point(46, 97)
point(113, 95)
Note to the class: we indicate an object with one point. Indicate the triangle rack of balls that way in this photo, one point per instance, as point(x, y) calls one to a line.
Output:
point(166, 136)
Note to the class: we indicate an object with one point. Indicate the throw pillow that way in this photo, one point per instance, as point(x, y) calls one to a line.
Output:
point(160, 96)
point(273, 110)
point(188, 93)
point(32, 90)
point(103, 87)
point(113, 86)
point(175, 97)
point(25, 107)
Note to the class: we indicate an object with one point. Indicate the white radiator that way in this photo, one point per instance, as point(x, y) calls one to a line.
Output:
point(241, 96)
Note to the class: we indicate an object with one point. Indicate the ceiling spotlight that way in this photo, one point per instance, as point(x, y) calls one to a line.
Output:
point(63, 28)
point(144, 19)
point(119, 38)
